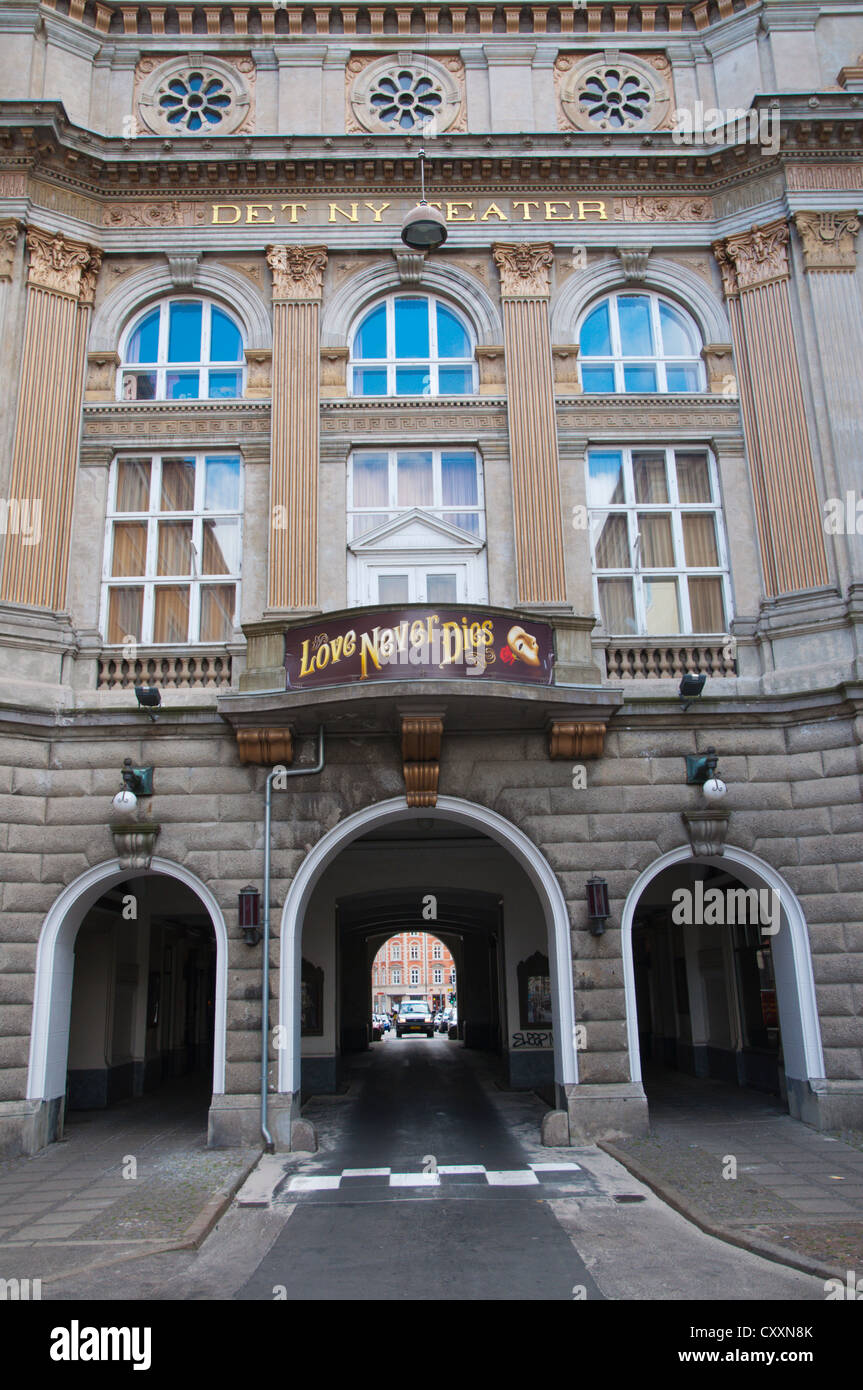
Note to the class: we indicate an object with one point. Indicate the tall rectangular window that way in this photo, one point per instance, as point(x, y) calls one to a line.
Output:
point(658, 542)
point(172, 563)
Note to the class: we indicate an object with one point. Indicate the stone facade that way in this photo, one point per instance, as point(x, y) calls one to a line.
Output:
point(282, 213)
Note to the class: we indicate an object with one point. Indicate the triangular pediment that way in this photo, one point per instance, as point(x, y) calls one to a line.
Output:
point(416, 531)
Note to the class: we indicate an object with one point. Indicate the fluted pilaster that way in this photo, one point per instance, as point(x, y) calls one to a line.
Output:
point(60, 285)
point(297, 285)
point(525, 289)
point(755, 275)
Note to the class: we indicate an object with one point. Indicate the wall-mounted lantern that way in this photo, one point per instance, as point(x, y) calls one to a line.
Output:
point(249, 907)
point(598, 906)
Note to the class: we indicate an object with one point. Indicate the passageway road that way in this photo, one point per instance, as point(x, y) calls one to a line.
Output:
point(430, 1183)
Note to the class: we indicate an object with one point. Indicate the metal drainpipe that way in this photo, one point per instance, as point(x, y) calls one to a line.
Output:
point(265, 969)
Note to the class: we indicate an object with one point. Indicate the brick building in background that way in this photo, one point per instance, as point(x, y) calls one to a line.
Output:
point(413, 965)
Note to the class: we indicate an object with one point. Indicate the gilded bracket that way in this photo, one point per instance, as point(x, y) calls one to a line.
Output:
point(567, 739)
point(421, 744)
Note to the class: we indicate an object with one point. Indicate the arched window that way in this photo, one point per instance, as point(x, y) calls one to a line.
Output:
point(639, 344)
point(412, 345)
point(181, 349)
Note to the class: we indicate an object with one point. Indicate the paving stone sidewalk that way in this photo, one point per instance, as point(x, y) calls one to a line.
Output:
point(795, 1189)
point(71, 1203)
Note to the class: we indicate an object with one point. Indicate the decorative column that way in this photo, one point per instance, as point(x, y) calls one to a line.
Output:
point(755, 274)
point(525, 290)
point(830, 260)
point(60, 286)
point(297, 287)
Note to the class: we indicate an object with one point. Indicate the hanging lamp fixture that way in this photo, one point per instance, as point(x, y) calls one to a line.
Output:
point(424, 228)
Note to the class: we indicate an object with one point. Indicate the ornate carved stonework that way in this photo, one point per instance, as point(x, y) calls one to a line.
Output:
point(410, 266)
point(564, 358)
point(633, 262)
point(101, 375)
point(195, 95)
point(405, 94)
point(646, 209)
point(258, 373)
point(492, 369)
point(67, 267)
point(613, 91)
point(421, 744)
point(707, 831)
point(8, 246)
point(719, 361)
point(135, 845)
point(334, 364)
point(751, 259)
point(265, 747)
point(575, 740)
point(298, 271)
point(828, 239)
point(184, 269)
point(524, 269)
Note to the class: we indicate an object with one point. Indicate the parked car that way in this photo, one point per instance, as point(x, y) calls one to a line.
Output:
point(414, 1017)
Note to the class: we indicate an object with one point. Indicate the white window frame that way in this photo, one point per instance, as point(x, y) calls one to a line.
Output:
point(162, 366)
point(397, 975)
point(150, 581)
point(636, 573)
point(619, 359)
point(435, 508)
point(437, 977)
point(391, 363)
point(437, 951)
point(415, 951)
point(415, 977)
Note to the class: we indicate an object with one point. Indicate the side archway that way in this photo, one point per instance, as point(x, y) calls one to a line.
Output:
point(795, 983)
point(55, 963)
point(448, 808)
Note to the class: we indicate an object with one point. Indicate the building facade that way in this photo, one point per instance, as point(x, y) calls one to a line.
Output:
point(413, 965)
point(473, 514)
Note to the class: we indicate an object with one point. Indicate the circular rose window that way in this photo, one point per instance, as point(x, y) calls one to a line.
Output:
point(194, 101)
point(177, 98)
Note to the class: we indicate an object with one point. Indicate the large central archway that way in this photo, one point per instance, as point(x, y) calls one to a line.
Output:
point(464, 813)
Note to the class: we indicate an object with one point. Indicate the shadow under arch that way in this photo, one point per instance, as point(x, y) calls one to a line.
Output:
point(55, 963)
point(448, 808)
point(795, 983)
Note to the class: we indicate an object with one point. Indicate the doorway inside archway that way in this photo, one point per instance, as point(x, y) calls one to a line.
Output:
point(706, 982)
point(142, 1015)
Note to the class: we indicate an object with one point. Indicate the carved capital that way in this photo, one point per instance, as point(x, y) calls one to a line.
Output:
point(707, 830)
point(524, 269)
point(8, 245)
point(135, 844)
point(633, 262)
point(421, 744)
point(298, 271)
point(67, 267)
point(571, 740)
point(266, 747)
point(751, 259)
point(828, 239)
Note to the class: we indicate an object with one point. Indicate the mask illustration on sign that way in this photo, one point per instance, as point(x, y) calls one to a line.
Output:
point(523, 646)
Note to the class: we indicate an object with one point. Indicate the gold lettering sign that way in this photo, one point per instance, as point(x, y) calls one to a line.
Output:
point(514, 210)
